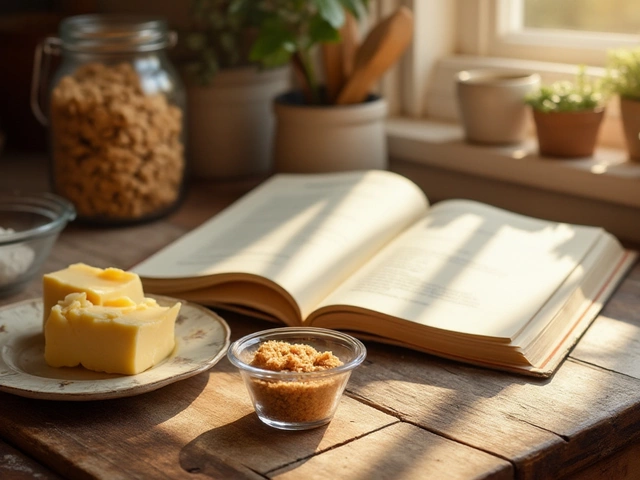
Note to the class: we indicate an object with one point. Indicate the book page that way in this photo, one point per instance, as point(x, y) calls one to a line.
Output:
point(470, 268)
point(306, 233)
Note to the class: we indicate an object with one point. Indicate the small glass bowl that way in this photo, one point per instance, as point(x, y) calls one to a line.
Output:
point(297, 400)
point(30, 224)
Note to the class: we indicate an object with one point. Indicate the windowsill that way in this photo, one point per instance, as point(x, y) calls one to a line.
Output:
point(603, 190)
point(442, 104)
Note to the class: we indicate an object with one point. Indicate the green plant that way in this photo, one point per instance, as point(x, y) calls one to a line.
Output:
point(290, 29)
point(221, 34)
point(569, 96)
point(623, 72)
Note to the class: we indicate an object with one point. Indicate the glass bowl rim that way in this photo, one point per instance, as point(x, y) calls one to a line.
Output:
point(62, 208)
point(358, 347)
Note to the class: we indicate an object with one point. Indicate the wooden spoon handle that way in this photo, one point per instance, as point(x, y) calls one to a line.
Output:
point(334, 76)
point(301, 78)
point(349, 34)
point(382, 47)
point(338, 57)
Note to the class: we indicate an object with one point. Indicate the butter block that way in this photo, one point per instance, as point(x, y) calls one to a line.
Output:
point(102, 286)
point(127, 339)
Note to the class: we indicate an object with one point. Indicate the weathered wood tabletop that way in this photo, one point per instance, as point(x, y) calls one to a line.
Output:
point(404, 415)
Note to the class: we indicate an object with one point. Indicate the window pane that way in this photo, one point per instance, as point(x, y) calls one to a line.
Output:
point(612, 16)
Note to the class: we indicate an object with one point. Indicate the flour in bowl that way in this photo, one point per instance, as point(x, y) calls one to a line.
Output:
point(14, 259)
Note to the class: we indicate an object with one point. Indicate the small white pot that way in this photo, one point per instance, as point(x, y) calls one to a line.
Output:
point(491, 104)
point(319, 138)
point(231, 123)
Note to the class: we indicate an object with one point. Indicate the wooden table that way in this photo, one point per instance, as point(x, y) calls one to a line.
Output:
point(404, 414)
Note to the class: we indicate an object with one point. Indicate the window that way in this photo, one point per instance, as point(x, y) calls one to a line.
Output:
point(546, 36)
point(570, 31)
point(609, 16)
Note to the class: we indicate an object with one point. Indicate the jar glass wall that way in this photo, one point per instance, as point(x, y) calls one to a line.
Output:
point(116, 117)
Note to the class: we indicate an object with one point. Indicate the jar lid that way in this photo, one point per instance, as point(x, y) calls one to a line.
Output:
point(100, 33)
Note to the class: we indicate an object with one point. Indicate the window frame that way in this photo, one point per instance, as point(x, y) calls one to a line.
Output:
point(453, 35)
point(496, 34)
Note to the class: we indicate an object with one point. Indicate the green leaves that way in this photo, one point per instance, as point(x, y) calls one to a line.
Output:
point(268, 32)
point(275, 44)
point(295, 27)
point(321, 31)
point(623, 72)
point(332, 12)
point(217, 37)
point(567, 96)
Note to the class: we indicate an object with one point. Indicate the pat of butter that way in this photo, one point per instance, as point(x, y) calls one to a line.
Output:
point(126, 339)
point(102, 286)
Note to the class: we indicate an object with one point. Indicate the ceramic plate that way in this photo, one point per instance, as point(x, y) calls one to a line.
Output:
point(202, 338)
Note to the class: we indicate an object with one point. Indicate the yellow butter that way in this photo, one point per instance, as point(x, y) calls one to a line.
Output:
point(102, 286)
point(125, 339)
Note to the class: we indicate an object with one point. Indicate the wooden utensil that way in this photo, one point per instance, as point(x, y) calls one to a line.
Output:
point(381, 48)
point(337, 58)
point(350, 40)
point(301, 78)
point(334, 75)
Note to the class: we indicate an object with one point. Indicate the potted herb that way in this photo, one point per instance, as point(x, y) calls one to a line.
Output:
point(291, 31)
point(623, 79)
point(567, 115)
point(315, 131)
point(230, 119)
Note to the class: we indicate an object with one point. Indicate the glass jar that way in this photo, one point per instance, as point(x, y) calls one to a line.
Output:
point(115, 110)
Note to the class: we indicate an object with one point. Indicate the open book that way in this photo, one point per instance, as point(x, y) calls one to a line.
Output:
point(364, 252)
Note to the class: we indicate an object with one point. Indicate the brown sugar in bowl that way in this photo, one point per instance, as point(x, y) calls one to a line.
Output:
point(295, 376)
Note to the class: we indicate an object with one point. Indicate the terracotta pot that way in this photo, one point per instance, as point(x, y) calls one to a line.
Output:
point(630, 112)
point(567, 134)
point(231, 123)
point(314, 139)
point(491, 104)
